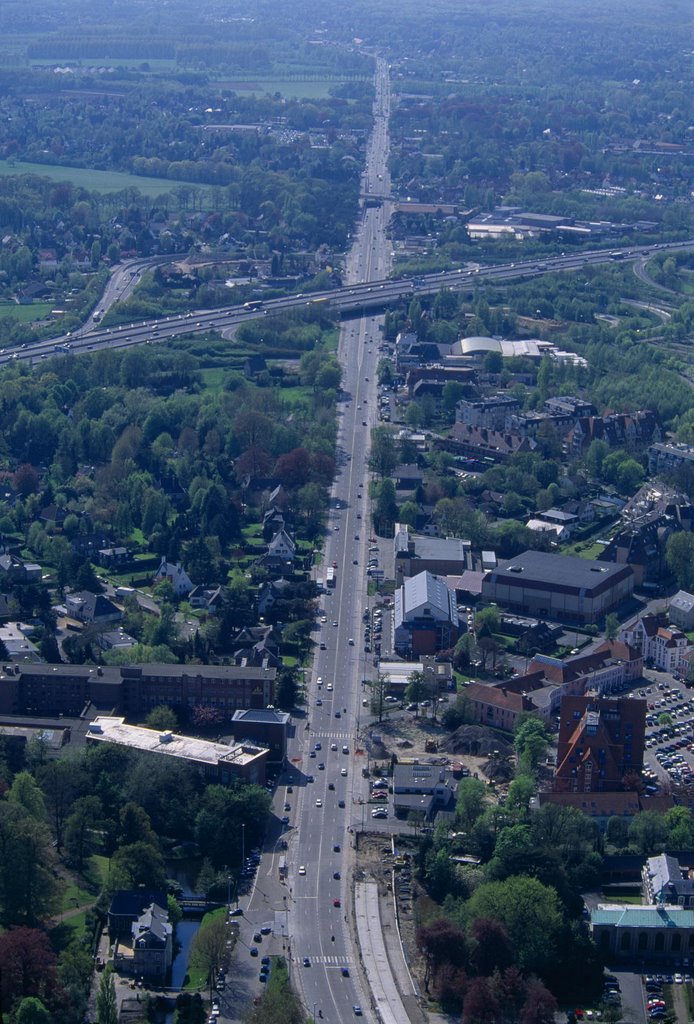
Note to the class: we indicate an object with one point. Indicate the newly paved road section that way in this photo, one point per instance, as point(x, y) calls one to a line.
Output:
point(386, 997)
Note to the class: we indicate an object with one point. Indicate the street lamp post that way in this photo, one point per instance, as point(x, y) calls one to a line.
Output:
point(243, 844)
point(314, 1013)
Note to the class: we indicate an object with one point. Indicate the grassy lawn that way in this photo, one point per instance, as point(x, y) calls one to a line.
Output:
point(68, 931)
point(97, 871)
point(196, 978)
point(75, 896)
point(585, 550)
point(25, 314)
point(290, 89)
point(97, 181)
point(213, 378)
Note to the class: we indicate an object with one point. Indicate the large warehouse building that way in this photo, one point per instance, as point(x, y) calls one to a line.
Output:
point(561, 587)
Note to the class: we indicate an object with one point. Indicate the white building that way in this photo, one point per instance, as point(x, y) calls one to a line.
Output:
point(668, 649)
point(176, 575)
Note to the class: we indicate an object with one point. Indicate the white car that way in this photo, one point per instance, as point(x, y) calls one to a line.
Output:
point(343, 771)
point(319, 802)
point(302, 870)
point(333, 746)
point(329, 686)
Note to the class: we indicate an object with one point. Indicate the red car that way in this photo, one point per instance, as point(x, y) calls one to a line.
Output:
point(337, 903)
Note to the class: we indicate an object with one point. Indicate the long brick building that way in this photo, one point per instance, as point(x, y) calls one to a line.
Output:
point(132, 690)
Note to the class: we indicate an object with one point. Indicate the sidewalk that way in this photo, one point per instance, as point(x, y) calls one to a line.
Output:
point(374, 934)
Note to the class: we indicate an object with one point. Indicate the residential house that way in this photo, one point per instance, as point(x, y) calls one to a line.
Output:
point(53, 516)
point(487, 445)
point(272, 591)
point(281, 552)
point(556, 531)
point(114, 557)
point(667, 458)
point(254, 365)
point(152, 945)
point(631, 431)
point(176, 575)
point(207, 598)
point(492, 413)
point(92, 608)
point(16, 570)
point(561, 518)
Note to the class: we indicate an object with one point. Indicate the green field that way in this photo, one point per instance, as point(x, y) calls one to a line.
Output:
point(290, 88)
point(97, 181)
point(25, 314)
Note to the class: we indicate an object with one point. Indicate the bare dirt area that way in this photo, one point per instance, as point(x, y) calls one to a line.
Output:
point(389, 861)
point(481, 752)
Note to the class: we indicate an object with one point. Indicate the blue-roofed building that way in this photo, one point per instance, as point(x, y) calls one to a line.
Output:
point(649, 933)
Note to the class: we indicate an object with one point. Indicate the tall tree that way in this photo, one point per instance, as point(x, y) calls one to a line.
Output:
point(106, 1003)
point(531, 914)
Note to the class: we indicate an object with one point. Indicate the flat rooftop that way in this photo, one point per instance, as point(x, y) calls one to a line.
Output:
point(109, 729)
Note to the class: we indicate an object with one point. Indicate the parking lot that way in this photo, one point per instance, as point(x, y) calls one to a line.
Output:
point(669, 754)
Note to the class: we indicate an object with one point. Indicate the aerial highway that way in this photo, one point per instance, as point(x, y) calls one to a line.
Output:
point(367, 288)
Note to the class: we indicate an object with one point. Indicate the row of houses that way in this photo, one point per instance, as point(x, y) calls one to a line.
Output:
point(608, 670)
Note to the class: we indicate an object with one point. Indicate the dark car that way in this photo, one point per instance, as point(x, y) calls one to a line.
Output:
point(253, 951)
point(257, 937)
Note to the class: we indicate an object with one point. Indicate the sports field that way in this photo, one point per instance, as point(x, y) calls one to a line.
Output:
point(96, 181)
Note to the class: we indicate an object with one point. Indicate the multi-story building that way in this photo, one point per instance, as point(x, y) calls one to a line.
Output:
point(601, 740)
point(667, 648)
point(426, 616)
point(219, 762)
point(133, 690)
point(666, 458)
point(609, 669)
point(494, 412)
point(666, 881)
point(415, 553)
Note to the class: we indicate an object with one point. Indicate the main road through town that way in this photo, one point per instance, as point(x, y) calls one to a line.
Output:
point(322, 810)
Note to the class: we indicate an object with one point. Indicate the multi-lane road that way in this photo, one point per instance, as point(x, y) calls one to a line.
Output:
point(320, 853)
point(372, 293)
